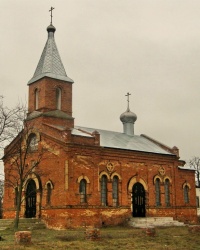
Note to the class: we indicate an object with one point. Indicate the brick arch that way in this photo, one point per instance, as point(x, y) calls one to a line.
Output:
point(104, 173)
point(157, 177)
point(134, 180)
point(35, 132)
point(51, 184)
point(116, 174)
point(58, 86)
point(36, 178)
point(169, 178)
point(186, 184)
point(83, 177)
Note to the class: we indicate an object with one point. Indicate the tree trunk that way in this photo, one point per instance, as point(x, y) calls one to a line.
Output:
point(198, 181)
point(18, 208)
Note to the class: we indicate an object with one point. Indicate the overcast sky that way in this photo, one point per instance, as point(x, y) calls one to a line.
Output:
point(150, 48)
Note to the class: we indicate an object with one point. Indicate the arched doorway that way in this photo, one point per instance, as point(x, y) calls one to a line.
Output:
point(138, 200)
point(30, 211)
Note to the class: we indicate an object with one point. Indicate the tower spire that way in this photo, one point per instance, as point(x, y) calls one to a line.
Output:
point(50, 64)
point(51, 10)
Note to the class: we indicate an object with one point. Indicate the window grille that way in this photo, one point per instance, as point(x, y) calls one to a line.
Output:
point(115, 193)
point(49, 194)
point(82, 191)
point(167, 193)
point(104, 190)
point(157, 187)
point(186, 194)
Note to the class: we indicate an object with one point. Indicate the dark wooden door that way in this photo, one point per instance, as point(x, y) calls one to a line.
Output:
point(138, 200)
point(31, 200)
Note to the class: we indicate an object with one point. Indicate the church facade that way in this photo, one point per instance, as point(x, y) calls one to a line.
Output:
point(92, 177)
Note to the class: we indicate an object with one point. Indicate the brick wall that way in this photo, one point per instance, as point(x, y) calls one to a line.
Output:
point(64, 165)
point(68, 159)
point(47, 95)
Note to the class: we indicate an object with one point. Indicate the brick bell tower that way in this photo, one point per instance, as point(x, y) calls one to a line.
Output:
point(50, 89)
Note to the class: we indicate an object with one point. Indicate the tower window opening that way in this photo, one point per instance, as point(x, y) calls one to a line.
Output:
point(32, 142)
point(58, 98)
point(36, 99)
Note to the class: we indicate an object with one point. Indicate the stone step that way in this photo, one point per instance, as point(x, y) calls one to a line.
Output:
point(31, 223)
point(24, 224)
point(5, 223)
point(154, 221)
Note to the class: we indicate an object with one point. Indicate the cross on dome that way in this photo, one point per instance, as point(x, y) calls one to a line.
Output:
point(128, 94)
point(51, 10)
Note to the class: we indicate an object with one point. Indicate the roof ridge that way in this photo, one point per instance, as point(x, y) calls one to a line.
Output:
point(165, 147)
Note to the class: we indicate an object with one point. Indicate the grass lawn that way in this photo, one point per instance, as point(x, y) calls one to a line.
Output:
point(111, 238)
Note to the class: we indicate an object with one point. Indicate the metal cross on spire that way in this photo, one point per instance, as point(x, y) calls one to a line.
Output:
point(128, 94)
point(51, 14)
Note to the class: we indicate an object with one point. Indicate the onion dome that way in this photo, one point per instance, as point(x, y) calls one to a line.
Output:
point(128, 117)
point(51, 28)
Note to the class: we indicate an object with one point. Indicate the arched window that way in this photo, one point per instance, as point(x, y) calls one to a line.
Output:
point(58, 98)
point(48, 193)
point(82, 191)
point(167, 193)
point(32, 142)
point(36, 99)
point(186, 193)
point(115, 191)
point(104, 190)
point(157, 187)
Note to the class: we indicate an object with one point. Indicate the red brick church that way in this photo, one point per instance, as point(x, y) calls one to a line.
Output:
point(92, 176)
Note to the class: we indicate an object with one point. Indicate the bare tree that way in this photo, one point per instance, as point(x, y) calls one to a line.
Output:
point(24, 145)
point(21, 159)
point(11, 121)
point(1, 196)
point(194, 163)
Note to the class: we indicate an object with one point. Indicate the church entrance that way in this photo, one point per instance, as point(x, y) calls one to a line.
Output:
point(31, 199)
point(138, 200)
